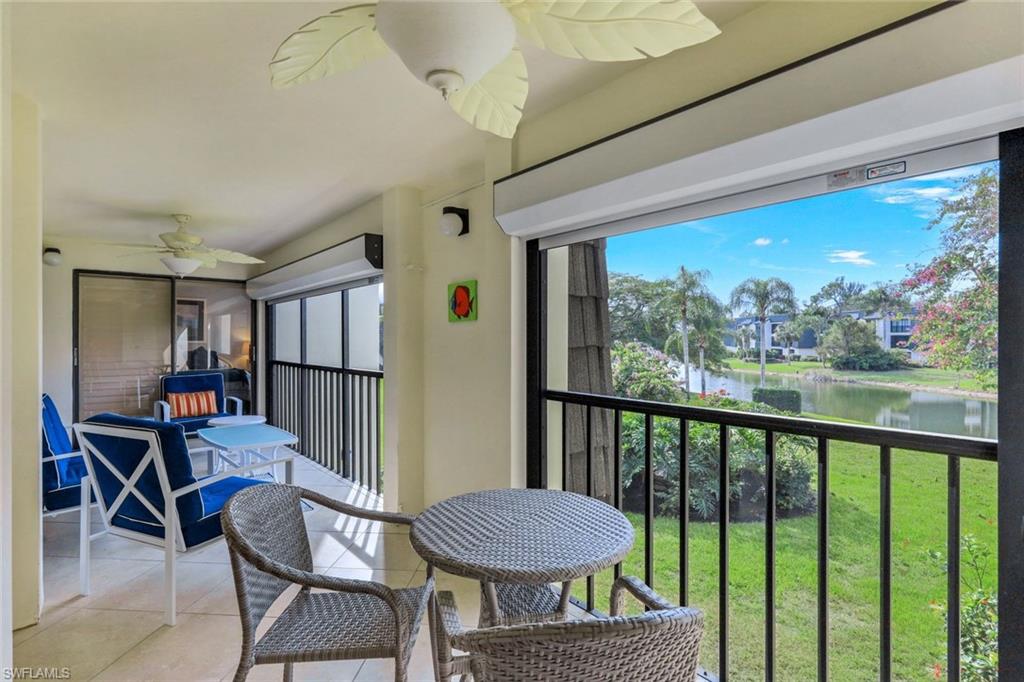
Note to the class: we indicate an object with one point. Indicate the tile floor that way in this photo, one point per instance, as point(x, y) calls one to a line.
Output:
point(117, 632)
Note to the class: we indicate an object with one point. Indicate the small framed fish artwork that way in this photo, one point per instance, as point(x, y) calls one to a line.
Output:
point(462, 302)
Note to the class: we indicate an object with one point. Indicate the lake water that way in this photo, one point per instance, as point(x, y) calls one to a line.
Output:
point(917, 410)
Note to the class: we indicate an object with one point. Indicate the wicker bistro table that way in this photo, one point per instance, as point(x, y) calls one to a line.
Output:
point(520, 537)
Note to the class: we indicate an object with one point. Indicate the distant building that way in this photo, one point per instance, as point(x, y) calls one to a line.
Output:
point(892, 332)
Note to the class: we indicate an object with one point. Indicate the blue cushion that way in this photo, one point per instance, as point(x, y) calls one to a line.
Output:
point(214, 497)
point(125, 454)
point(190, 383)
point(198, 512)
point(64, 498)
point(64, 473)
point(193, 424)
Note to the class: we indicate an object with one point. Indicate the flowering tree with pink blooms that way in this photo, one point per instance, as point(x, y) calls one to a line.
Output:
point(957, 291)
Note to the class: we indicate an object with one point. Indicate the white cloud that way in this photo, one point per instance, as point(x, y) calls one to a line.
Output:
point(785, 241)
point(850, 257)
point(761, 241)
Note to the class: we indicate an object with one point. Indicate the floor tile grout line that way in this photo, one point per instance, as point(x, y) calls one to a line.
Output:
point(137, 644)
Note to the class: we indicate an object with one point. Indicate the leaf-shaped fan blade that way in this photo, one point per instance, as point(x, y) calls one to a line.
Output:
point(613, 30)
point(180, 239)
point(339, 41)
point(203, 256)
point(230, 256)
point(495, 102)
point(155, 248)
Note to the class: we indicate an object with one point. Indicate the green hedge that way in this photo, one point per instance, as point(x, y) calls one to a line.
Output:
point(785, 399)
point(871, 361)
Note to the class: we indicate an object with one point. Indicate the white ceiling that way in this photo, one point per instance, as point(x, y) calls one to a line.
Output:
point(156, 108)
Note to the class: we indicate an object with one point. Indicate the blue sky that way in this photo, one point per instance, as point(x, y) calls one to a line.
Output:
point(869, 235)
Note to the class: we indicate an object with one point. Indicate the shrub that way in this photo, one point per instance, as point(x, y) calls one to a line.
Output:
point(979, 614)
point(874, 360)
point(639, 371)
point(785, 399)
point(794, 466)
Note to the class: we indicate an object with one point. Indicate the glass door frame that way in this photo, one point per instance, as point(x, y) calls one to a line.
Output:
point(76, 276)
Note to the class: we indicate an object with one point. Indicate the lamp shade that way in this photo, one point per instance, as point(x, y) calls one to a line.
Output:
point(448, 45)
point(180, 266)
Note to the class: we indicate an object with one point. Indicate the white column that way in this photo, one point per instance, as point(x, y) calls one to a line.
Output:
point(403, 350)
point(26, 372)
point(6, 296)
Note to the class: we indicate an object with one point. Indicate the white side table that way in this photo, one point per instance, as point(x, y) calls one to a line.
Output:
point(247, 443)
point(237, 420)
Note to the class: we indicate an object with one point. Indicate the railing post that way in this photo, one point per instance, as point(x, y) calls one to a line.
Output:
point(823, 625)
point(885, 563)
point(953, 570)
point(589, 440)
point(649, 500)
point(769, 556)
point(684, 512)
point(723, 552)
point(617, 475)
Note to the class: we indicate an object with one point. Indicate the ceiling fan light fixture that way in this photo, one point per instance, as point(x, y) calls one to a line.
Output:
point(180, 266)
point(447, 45)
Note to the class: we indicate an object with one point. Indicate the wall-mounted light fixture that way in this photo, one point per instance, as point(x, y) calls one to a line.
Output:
point(52, 256)
point(454, 221)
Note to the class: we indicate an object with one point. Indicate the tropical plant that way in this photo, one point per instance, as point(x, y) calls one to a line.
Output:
point(686, 289)
point(758, 298)
point(794, 466)
point(958, 289)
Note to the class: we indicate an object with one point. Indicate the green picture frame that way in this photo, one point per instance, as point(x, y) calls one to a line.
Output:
point(462, 301)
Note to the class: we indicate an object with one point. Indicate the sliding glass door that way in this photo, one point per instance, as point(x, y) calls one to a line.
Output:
point(132, 329)
point(124, 342)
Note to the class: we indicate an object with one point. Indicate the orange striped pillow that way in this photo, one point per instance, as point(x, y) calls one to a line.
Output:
point(198, 404)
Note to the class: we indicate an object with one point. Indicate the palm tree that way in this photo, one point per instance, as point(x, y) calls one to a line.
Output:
point(708, 320)
point(789, 334)
point(745, 334)
point(688, 286)
point(758, 297)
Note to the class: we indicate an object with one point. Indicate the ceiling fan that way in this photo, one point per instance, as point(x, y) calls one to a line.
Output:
point(467, 49)
point(186, 251)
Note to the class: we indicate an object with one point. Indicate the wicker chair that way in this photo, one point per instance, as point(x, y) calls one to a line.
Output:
point(661, 644)
point(357, 619)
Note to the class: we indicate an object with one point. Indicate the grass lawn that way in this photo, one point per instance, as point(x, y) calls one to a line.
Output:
point(919, 525)
point(917, 376)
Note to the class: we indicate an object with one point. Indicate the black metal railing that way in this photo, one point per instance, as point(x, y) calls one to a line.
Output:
point(335, 412)
point(823, 432)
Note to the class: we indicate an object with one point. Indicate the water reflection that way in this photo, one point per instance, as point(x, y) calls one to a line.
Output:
point(896, 407)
